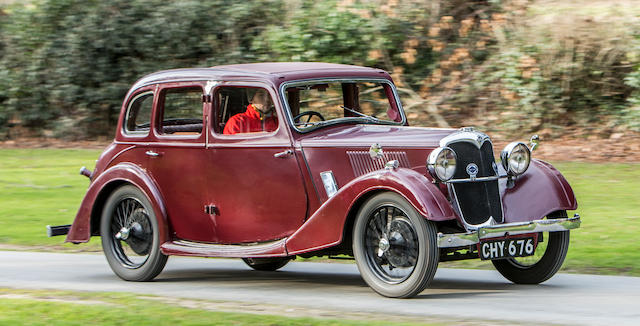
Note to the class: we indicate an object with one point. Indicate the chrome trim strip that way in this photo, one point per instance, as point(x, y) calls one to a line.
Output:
point(471, 238)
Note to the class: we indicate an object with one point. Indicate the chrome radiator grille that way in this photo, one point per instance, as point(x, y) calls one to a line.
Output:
point(476, 201)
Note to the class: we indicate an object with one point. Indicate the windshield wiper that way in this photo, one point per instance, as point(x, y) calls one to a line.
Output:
point(368, 117)
point(310, 124)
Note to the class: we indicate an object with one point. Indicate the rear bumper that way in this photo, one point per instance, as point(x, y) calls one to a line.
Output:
point(495, 231)
point(55, 230)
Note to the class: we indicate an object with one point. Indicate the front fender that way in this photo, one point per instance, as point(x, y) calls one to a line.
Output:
point(538, 192)
point(98, 192)
point(325, 227)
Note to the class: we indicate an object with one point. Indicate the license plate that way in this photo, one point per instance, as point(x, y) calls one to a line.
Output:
point(505, 248)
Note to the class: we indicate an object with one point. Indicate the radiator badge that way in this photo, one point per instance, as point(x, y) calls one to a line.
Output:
point(472, 170)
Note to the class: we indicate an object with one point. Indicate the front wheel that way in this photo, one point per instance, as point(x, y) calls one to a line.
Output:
point(130, 235)
point(394, 246)
point(545, 262)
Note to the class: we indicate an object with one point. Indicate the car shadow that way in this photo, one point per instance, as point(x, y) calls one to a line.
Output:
point(230, 276)
point(440, 288)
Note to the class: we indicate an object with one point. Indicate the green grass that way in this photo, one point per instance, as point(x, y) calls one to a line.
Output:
point(609, 203)
point(29, 307)
point(42, 186)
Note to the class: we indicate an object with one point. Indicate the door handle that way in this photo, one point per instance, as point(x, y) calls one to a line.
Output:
point(152, 153)
point(283, 154)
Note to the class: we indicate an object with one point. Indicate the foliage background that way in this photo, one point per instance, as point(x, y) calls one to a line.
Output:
point(513, 66)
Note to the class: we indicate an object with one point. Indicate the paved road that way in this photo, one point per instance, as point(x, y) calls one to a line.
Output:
point(465, 294)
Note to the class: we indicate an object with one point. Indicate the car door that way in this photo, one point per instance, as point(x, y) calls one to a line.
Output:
point(256, 185)
point(177, 159)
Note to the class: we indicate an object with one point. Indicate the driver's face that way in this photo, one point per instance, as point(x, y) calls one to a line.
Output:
point(262, 101)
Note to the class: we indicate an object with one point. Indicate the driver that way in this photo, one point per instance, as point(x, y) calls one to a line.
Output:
point(259, 116)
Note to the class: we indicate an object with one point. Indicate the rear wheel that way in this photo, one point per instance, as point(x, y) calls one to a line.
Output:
point(266, 264)
point(394, 246)
point(545, 262)
point(130, 238)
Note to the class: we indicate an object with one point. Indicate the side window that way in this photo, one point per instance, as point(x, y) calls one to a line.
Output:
point(138, 116)
point(242, 110)
point(181, 112)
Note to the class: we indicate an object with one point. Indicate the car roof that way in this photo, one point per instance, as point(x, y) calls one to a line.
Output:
point(276, 72)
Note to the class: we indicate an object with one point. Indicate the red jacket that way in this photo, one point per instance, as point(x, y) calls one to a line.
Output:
point(250, 121)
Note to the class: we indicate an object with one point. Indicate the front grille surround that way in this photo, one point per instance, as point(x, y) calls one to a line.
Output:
point(477, 202)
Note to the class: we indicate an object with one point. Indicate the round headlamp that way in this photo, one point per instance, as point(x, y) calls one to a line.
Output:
point(516, 158)
point(442, 163)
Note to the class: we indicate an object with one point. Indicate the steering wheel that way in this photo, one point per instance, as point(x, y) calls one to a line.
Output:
point(311, 114)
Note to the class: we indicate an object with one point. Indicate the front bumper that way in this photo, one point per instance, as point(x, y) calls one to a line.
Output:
point(495, 231)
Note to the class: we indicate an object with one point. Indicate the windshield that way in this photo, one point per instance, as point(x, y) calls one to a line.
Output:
point(320, 103)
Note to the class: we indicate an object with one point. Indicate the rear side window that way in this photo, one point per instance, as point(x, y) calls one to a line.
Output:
point(138, 116)
point(181, 111)
point(243, 110)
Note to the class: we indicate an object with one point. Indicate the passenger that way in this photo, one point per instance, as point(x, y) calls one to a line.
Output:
point(259, 116)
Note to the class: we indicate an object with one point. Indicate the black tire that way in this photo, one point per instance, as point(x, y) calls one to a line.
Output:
point(548, 259)
point(266, 264)
point(133, 254)
point(397, 259)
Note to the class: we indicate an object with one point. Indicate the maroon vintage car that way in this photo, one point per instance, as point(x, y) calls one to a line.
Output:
point(270, 161)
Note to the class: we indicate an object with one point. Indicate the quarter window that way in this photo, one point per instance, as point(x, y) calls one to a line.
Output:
point(182, 111)
point(138, 115)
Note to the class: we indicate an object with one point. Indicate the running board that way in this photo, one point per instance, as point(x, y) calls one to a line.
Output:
point(189, 248)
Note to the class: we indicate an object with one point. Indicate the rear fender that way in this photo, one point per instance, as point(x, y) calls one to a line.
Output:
point(538, 192)
point(87, 219)
point(325, 227)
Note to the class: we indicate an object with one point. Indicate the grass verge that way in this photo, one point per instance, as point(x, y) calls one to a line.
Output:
point(41, 186)
point(38, 307)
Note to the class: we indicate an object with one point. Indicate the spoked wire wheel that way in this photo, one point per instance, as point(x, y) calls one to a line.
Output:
point(391, 244)
point(131, 232)
point(546, 261)
point(130, 235)
point(394, 246)
point(541, 248)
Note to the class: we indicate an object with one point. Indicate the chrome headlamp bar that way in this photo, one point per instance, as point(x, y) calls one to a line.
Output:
point(480, 179)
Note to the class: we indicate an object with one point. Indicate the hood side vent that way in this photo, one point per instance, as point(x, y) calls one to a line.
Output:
point(362, 163)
